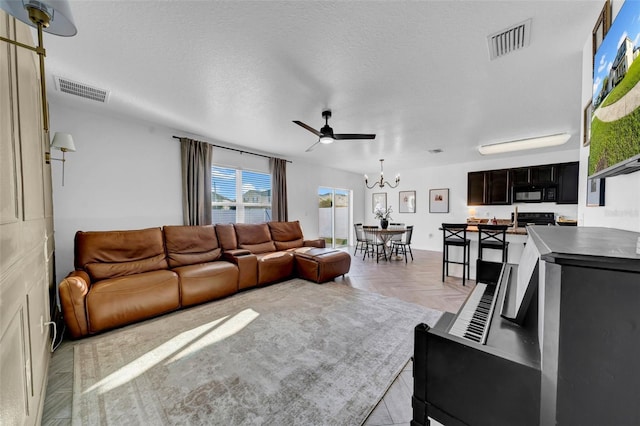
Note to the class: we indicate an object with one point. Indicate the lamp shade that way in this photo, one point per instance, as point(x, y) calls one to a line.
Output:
point(522, 144)
point(326, 139)
point(58, 10)
point(64, 142)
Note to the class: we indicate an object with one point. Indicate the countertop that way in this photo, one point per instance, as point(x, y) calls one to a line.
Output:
point(510, 230)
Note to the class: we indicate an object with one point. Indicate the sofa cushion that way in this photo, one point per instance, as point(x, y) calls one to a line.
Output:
point(190, 245)
point(254, 237)
point(207, 281)
point(123, 300)
point(227, 236)
point(285, 231)
point(111, 254)
point(275, 266)
point(288, 245)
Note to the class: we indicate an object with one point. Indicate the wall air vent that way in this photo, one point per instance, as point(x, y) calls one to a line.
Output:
point(80, 89)
point(506, 41)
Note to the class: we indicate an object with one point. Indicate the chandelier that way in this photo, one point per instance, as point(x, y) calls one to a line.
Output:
point(381, 183)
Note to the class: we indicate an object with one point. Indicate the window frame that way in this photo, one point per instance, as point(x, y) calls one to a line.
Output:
point(240, 205)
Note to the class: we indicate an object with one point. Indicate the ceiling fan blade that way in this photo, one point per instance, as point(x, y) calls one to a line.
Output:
point(309, 128)
point(343, 136)
point(312, 147)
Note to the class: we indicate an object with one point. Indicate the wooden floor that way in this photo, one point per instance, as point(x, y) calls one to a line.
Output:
point(417, 281)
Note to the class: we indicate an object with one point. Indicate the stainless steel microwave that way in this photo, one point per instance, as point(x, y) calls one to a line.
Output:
point(534, 194)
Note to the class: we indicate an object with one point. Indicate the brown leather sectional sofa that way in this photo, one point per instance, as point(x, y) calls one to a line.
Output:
point(122, 277)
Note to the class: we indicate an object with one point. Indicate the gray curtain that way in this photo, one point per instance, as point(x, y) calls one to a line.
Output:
point(196, 182)
point(279, 209)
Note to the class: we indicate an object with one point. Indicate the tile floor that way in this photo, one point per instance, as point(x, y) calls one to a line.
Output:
point(418, 281)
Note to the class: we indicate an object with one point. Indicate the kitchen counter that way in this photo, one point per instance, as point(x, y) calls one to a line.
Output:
point(510, 230)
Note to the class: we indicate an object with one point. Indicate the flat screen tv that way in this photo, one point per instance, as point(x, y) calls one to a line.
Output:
point(615, 120)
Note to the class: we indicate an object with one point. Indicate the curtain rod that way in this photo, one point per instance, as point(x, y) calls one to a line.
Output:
point(237, 150)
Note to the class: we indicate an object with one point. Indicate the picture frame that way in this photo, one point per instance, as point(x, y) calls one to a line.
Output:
point(407, 201)
point(595, 192)
point(603, 23)
point(378, 199)
point(586, 126)
point(439, 200)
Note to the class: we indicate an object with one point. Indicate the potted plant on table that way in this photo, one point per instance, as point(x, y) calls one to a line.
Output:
point(384, 215)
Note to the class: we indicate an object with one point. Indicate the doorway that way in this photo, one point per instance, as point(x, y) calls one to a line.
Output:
point(333, 216)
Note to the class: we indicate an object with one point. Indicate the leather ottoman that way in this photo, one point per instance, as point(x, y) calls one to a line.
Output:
point(321, 264)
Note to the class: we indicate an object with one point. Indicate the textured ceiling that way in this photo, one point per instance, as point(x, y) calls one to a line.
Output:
point(415, 73)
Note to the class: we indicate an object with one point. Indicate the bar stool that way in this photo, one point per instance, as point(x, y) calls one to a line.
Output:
point(455, 234)
point(493, 237)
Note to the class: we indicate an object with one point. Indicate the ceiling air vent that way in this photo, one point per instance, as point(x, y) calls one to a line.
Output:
point(80, 89)
point(506, 41)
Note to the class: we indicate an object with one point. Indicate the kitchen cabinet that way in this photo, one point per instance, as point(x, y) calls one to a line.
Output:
point(520, 176)
point(475, 189)
point(494, 187)
point(543, 175)
point(498, 188)
point(568, 183)
point(488, 188)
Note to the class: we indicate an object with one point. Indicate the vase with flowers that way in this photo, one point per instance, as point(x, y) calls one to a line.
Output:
point(384, 215)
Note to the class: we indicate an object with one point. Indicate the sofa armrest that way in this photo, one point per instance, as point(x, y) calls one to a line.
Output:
point(73, 291)
point(247, 264)
point(320, 243)
point(227, 254)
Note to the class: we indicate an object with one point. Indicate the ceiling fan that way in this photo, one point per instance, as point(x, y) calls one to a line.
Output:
point(326, 134)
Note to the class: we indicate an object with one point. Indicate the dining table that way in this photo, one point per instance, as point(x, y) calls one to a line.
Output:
point(385, 236)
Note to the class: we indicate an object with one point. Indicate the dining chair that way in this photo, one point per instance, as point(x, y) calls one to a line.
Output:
point(455, 234)
point(397, 237)
point(404, 243)
point(493, 237)
point(361, 241)
point(374, 244)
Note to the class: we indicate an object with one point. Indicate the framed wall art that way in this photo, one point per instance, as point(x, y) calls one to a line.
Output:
point(439, 200)
point(407, 201)
point(379, 200)
point(603, 23)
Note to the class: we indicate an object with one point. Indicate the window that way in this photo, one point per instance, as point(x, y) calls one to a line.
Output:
point(240, 196)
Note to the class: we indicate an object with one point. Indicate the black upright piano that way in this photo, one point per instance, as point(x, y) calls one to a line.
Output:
point(552, 340)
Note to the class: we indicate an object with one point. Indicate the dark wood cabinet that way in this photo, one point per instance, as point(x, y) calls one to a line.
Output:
point(543, 175)
point(498, 188)
point(494, 187)
point(475, 188)
point(568, 183)
point(489, 187)
point(520, 176)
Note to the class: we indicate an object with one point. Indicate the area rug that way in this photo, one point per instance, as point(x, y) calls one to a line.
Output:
point(294, 353)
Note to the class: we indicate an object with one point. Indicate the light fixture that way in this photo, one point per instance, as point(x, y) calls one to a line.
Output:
point(51, 16)
point(326, 140)
point(522, 144)
point(63, 142)
point(381, 183)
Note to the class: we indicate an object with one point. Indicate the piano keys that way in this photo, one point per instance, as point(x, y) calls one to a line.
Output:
point(472, 321)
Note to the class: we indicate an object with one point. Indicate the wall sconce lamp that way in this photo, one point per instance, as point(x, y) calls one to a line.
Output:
point(522, 144)
point(381, 183)
point(51, 16)
point(63, 142)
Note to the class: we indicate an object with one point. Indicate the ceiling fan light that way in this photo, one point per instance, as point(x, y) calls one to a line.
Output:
point(522, 144)
point(326, 140)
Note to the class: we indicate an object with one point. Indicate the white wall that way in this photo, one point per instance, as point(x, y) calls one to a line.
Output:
point(622, 193)
point(126, 174)
point(123, 175)
point(426, 234)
